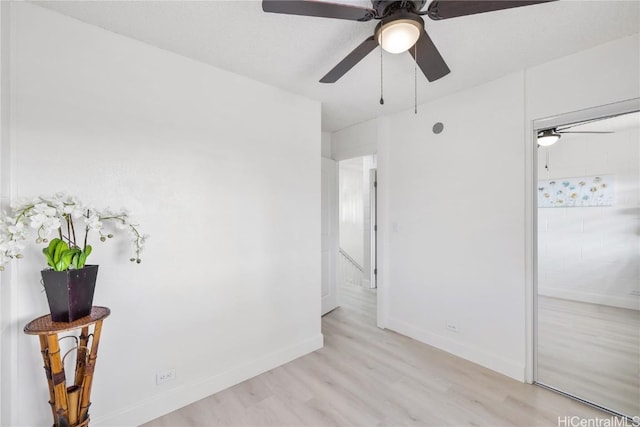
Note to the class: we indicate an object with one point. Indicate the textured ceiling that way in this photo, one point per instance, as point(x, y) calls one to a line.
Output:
point(294, 52)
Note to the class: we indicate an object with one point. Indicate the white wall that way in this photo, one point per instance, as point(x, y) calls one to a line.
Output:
point(325, 150)
point(456, 206)
point(229, 284)
point(355, 141)
point(592, 254)
point(5, 295)
point(602, 75)
point(455, 213)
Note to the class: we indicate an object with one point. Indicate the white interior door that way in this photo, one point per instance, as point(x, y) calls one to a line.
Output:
point(329, 230)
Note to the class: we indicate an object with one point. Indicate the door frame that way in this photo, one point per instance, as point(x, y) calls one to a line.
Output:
point(531, 236)
point(373, 228)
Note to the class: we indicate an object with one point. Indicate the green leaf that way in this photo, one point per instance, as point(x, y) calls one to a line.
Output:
point(50, 251)
point(47, 256)
point(52, 246)
point(61, 246)
point(65, 259)
point(82, 259)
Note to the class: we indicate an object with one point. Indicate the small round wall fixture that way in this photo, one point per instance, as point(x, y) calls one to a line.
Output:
point(438, 128)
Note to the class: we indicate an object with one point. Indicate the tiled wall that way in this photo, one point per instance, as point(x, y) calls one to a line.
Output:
point(592, 254)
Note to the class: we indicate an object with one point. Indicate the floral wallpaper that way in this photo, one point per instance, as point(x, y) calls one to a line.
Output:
point(576, 192)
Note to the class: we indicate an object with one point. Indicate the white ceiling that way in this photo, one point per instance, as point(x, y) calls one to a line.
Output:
point(294, 52)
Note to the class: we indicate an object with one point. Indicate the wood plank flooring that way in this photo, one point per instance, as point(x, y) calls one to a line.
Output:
point(591, 351)
point(365, 376)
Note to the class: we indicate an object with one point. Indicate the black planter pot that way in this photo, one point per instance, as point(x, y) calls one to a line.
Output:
point(70, 293)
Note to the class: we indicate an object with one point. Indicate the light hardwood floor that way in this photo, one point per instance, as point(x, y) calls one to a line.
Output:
point(365, 376)
point(591, 351)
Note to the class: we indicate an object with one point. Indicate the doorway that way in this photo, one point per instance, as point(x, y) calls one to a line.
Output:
point(357, 221)
point(587, 286)
point(350, 192)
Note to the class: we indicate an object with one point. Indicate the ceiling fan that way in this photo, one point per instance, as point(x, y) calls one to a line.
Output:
point(401, 26)
point(550, 136)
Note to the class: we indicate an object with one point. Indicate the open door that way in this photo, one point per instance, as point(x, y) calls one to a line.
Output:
point(329, 231)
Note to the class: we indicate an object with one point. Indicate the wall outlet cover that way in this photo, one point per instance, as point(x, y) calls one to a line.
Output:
point(165, 376)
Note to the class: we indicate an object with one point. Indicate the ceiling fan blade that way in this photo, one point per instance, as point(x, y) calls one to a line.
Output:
point(428, 58)
point(350, 60)
point(445, 9)
point(319, 9)
point(586, 131)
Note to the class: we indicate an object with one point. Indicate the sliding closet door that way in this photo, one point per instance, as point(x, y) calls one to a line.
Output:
point(588, 286)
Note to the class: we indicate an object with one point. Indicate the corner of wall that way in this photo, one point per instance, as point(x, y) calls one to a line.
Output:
point(471, 353)
point(326, 149)
point(8, 327)
point(383, 218)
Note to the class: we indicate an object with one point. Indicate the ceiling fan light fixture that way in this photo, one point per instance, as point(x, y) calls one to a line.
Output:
point(399, 35)
point(548, 137)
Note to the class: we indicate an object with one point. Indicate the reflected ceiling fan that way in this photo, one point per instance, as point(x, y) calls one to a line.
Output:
point(550, 136)
point(401, 26)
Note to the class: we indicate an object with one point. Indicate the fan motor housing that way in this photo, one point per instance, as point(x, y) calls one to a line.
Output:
point(382, 7)
point(396, 16)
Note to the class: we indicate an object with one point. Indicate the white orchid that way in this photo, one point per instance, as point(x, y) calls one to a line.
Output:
point(45, 209)
point(12, 249)
point(16, 228)
point(93, 222)
point(49, 215)
point(37, 220)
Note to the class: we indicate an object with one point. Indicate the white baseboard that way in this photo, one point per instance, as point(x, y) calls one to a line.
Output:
point(631, 302)
point(178, 397)
point(492, 361)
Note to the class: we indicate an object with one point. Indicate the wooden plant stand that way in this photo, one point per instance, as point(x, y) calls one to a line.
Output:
point(69, 404)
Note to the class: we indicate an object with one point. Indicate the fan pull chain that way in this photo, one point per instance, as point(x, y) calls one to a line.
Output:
point(381, 86)
point(546, 163)
point(415, 79)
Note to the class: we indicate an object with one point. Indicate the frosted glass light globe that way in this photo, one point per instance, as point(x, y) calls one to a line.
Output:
point(547, 138)
point(398, 36)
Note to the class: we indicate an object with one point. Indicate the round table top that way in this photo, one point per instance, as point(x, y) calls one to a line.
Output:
point(43, 325)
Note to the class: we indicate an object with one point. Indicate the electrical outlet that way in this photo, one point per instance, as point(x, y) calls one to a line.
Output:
point(452, 327)
point(635, 292)
point(165, 376)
